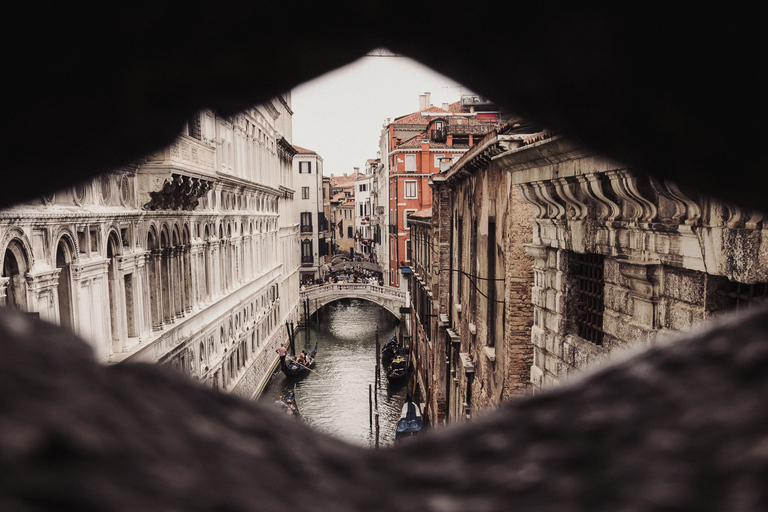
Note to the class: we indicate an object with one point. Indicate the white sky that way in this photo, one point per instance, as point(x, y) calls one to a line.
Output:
point(340, 114)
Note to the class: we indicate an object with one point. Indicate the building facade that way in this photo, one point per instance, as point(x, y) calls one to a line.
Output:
point(621, 258)
point(186, 258)
point(363, 213)
point(313, 224)
point(470, 289)
point(417, 146)
point(343, 213)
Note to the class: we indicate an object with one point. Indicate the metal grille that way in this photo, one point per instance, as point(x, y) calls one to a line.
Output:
point(588, 276)
point(743, 296)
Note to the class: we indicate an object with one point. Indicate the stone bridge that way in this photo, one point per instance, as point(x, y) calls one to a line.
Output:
point(391, 299)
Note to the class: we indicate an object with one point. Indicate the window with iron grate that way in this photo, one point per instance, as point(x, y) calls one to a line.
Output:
point(740, 296)
point(587, 273)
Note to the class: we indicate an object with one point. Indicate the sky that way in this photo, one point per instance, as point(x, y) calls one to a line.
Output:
point(340, 114)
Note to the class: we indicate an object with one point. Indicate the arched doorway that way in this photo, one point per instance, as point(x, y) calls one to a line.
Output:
point(155, 302)
point(208, 275)
point(15, 267)
point(166, 278)
point(114, 290)
point(64, 254)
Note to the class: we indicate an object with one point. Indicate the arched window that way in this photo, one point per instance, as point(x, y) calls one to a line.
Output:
point(117, 314)
point(155, 280)
point(64, 255)
point(15, 267)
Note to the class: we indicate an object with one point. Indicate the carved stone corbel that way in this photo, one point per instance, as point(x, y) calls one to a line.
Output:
point(593, 188)
point(568, 191)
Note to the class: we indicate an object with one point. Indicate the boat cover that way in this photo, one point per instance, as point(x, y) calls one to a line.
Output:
point(411, 422)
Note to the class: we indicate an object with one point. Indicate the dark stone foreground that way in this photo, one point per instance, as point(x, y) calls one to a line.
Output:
point(681, 427)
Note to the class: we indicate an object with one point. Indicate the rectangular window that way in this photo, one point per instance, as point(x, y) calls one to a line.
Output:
point(408, 251)
point(588, 296)
point(406, 213)
point(306, 251)
point(305, 167)
point(410, 163)
point(363, 187)
point(459, 262)
point(438, 160)
point(491, 282)
point(361, 210)
point(306, 222)
point(740, 296)
point(410, 190)
point(305, 192)
point(350, 234)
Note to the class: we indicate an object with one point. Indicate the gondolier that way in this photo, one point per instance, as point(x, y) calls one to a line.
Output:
point(281, 351)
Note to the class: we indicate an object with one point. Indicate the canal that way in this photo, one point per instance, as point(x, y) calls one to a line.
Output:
point(335, 399)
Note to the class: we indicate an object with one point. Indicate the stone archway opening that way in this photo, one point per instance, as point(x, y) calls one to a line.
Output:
point(64, 256)
point(14, 269)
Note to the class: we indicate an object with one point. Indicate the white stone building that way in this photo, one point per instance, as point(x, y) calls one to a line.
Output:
point(187, 257)
point(313, 225)
point(363, 211)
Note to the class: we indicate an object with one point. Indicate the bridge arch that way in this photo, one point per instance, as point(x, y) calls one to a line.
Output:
point(315, 297)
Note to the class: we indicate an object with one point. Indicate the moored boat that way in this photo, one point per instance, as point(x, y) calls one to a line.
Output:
point(390, 349)
point(410, 421)
point(397, 369)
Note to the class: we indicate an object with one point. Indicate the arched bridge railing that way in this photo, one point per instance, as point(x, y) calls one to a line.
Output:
point(389, 298)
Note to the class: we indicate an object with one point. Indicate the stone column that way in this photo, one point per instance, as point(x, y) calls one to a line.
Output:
point(178, 282)
point(156, 290)
point(188, 288)
point(540, 253)
point(3, 289)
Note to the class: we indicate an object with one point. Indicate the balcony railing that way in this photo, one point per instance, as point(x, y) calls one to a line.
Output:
point(307, 228)
point(307, 260)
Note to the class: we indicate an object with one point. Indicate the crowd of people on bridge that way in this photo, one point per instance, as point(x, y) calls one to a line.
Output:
point(351, 275)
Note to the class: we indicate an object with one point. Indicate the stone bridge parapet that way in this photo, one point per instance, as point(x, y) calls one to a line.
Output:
point(391, 299)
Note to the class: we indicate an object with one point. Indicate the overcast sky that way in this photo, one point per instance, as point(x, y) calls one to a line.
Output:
point(340, 114)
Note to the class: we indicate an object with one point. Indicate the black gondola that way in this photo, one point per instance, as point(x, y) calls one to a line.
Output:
point(410, 422)
point(294, 368)
point(293, 406)
point(390, 349)
point(397, 369)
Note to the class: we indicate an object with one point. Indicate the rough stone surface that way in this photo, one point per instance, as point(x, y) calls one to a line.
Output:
point(671, 428)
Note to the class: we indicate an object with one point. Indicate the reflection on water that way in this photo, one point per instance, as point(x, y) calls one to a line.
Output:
point(337, 402)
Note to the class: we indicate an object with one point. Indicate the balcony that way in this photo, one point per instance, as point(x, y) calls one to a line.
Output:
point(307, 228)
point(307, 261)
point(176, 177)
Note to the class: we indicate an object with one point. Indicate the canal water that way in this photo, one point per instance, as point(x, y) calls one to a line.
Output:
point(335, 399)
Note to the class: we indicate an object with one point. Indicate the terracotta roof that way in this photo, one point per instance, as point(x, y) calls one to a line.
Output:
point(348, 203)
point(338, 197)
point(304, 151)
point(417, 118)
point(343, 181)
point(455, 108)
point(426, 213)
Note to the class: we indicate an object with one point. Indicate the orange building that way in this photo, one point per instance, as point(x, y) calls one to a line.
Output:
point(421, 144)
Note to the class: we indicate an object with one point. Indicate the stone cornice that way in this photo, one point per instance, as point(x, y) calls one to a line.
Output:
point(285, 104)
point(271, 110)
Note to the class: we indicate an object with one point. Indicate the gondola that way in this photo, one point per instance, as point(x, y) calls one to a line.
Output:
point(390, 349)
point(410, 422)
point(397, 369)
point(294, 369)
point(293, 406)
